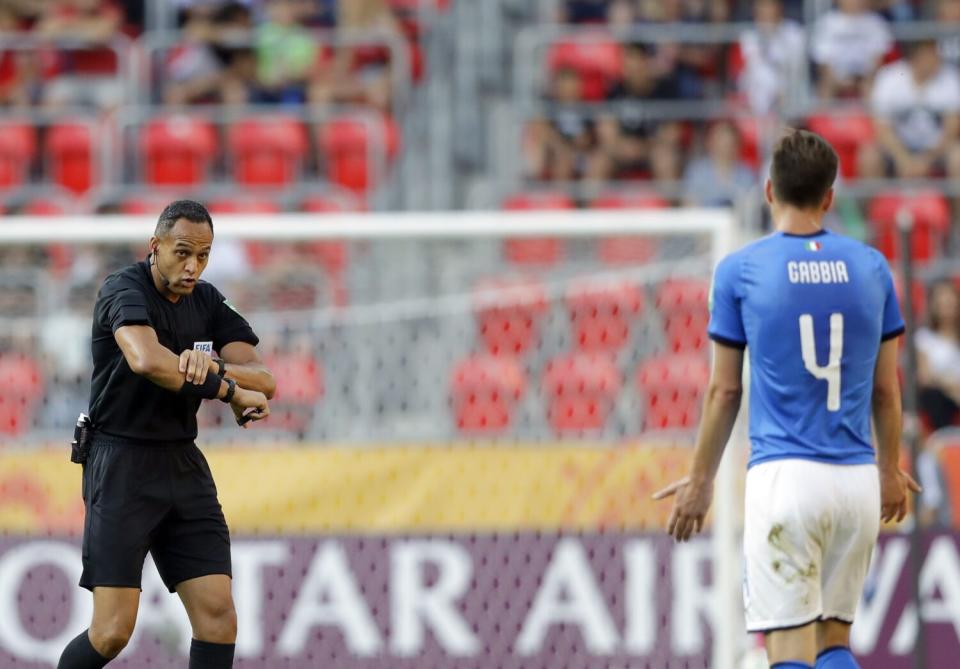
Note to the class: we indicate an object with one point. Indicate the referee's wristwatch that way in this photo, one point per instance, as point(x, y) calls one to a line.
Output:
point(221, 366)
point(231, 391)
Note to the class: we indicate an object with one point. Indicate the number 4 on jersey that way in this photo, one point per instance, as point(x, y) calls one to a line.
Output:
point(808, 349)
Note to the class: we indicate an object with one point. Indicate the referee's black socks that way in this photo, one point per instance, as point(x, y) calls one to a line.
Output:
point(208, 655)
point(80, 654)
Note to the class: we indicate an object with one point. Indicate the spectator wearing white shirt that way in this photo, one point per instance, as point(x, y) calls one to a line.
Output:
point(720, 178)
point(848, 44)
point(915, 105)
point(938, 356)
point(773, 51)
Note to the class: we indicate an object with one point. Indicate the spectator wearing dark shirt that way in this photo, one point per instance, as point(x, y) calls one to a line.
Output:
point(215, 62)
point(562, 145)
point(585, 11)
point(625, 134)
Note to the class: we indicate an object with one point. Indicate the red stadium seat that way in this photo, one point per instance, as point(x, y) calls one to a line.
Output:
point(535, 250)
point(508, 314)
point(178, 151)
point(485, 390)
point(332, 255)
point(46, 207)
point(300, 386)
point(581, 390)
point(749, 131)
point(143, 205)
point(683, 306)
point(347, 152)
point(673, 386)
point(267, 150)
point(847, 133)
point(21, 389)
point(637, 199)
point(931, 214)
point(243, 205)
point(598, 60)
point(601, 314)
point(628, 250)
point(18, 147)
point(70, 156)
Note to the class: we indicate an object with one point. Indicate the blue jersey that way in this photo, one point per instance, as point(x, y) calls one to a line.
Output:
point(812, 311)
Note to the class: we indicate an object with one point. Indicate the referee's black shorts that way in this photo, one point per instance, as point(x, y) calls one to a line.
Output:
point(158, 498)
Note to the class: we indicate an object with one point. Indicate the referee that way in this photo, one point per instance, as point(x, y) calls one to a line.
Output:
point(146, 486)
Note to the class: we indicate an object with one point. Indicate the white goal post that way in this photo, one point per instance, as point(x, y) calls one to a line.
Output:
point(716, 224)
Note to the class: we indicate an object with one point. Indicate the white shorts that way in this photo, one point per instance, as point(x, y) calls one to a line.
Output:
point(809, 532)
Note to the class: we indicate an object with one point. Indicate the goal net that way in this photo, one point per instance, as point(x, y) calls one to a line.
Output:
point(473, 411)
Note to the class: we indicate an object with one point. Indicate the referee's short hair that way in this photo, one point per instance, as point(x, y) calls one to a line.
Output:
point(804, 168)
point(189, 209)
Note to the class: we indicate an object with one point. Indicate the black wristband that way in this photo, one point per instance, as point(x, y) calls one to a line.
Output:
point(208, 390)
point(221, 366)
point(231, 391)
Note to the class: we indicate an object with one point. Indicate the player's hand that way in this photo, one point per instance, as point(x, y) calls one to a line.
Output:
point(195, 365)
point(690, 506)
point(894, 484)
point(248, 406)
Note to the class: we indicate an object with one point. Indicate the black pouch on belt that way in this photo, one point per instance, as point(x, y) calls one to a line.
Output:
point(80, 446)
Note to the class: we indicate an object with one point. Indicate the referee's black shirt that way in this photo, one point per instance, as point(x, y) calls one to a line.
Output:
point(124, 404)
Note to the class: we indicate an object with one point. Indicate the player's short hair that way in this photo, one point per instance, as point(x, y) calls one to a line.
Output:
point(804, 168)
point(189, 209)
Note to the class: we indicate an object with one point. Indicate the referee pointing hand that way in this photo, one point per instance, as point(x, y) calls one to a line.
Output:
point(146, 486)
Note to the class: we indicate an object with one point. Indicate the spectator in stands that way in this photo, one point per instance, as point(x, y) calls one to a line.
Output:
point(774, 51)
point(563, 146)
point(215, 63)
point(88, 76)
point(848, 45)
point(20, 70)
point(359, 73)
point(938, 356)
point(666, 154)
point(896, 10)
point(625, 135)
point(916, 110)
point(585, 11)
point(695, 66)
point(286, 53)
point(948, 12)
point(720, 178)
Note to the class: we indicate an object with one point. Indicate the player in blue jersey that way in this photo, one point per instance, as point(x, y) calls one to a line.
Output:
point(818, 315)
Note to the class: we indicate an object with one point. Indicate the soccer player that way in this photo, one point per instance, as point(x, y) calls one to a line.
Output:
point(820, 319)
point(146, 486)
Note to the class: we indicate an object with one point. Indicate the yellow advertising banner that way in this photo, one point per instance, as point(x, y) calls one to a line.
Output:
point(402, 489)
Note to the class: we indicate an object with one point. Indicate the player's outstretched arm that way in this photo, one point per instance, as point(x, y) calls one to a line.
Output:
point(694, 492)
point(887, 420)
point(244, 365)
